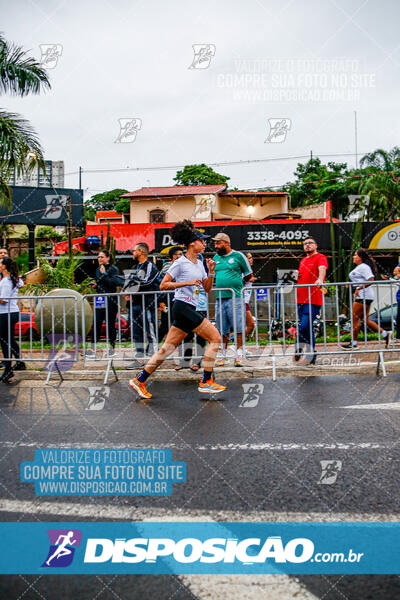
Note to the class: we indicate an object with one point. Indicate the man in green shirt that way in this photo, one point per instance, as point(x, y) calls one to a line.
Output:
point(232, 270)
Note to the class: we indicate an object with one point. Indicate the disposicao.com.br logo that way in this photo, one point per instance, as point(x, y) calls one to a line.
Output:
point(212, 550)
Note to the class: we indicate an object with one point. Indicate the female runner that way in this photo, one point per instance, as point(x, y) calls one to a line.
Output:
point(188, 274)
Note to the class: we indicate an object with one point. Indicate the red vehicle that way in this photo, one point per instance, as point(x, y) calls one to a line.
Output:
point(26, 326)
point(123, 325)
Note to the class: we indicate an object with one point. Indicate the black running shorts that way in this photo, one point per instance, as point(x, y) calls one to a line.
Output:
point(185, 316)
point(361, 301)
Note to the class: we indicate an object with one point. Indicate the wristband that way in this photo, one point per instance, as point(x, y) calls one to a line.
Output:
point(211, 274)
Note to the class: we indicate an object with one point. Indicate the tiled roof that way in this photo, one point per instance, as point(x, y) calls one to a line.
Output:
point(175, 190)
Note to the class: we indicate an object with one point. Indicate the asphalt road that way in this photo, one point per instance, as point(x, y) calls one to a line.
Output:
point(252, 455)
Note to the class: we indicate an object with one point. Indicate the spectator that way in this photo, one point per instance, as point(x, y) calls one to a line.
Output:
point(144, 277)
point(3, 254)
point(364, 271)
point(105, 308)
point(9, 316)
point(250, 322)
point(312, 270)
point(173, 253)
point(396, 276)
point(232, 271)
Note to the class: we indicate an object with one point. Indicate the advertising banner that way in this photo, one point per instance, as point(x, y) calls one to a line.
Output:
point(43, 206)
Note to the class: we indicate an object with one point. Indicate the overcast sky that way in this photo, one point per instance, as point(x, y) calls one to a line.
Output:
point(313, 62)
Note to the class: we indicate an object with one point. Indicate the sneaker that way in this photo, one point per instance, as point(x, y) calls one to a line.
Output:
point(312, 362)
point(238, 361)
point(388, 339)
point(140, 388)
point(220, 362)
point(350, 346)
point(211, 387)
point(136, 364)
point(297, 354)
point(19, 366)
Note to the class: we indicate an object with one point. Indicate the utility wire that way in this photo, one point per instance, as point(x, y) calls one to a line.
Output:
point(216, 164)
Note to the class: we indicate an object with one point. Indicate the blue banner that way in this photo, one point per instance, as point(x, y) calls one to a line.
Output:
point(179, 548)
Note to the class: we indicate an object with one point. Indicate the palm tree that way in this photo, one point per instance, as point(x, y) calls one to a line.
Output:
point(382, 185)
point(20, 149)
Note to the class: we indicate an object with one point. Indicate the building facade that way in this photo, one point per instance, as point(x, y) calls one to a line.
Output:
point(202, 203)
point(52, 177)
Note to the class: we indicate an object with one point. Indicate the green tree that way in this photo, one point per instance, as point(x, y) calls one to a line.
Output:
point(104, 201)
point(199, 175)
point(20, 149)
point(382, 186)
point(316, 182)
point(48, 232)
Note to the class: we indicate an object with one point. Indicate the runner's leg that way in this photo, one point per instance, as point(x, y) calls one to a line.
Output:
point(358, 315)
point(173, 339)
point(211, 334)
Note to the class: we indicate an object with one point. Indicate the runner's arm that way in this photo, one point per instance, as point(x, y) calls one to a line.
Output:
point(168, 284)
point(209, 281)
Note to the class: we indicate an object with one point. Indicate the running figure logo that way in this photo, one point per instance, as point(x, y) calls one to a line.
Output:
point(278, 129)
point(54, 207)
point(50, 53)
point(251, 394)
point(203, 54)
point(98, 397)
point(62, 547)
point(128, 129)
point(330, 470)
point(63, 349)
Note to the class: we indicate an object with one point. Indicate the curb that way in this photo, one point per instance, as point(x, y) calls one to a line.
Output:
point(221, 373)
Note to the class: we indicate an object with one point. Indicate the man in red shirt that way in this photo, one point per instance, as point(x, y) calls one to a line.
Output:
point(312, 270)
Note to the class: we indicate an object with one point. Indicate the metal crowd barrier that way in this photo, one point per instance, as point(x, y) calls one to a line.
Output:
point(284, 297)
point(58, 325)
point(142, 327)
point(48, 325)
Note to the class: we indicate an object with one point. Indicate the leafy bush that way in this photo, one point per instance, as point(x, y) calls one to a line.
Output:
point(62, 275)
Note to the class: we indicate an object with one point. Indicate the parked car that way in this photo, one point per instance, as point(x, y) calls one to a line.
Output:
point(120, 323)
point(26, 326)
point(387, 316)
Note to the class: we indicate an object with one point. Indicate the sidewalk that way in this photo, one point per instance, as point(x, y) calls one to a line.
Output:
point(256, 366)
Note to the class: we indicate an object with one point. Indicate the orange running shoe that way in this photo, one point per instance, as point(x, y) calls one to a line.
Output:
point(140, 388)
point(210, 387)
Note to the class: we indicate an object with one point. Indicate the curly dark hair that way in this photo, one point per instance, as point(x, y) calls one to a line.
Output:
point(182, 232)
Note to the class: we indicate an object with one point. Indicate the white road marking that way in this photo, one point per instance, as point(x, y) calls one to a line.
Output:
point(172, 446)
point(383, 406)
point(98, 511)
point(246, 587)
